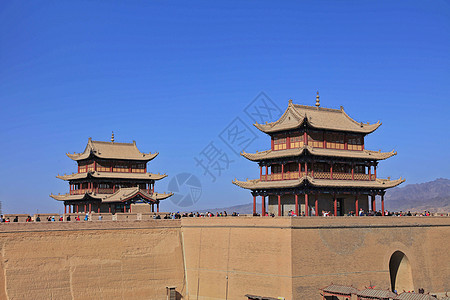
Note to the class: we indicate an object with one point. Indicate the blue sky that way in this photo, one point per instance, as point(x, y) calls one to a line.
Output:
point(173, 75)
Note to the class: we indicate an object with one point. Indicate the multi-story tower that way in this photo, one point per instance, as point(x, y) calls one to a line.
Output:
point(317, 162)
point(111, 177)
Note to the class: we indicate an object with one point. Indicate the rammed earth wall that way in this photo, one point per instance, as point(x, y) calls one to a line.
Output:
point(218, 258)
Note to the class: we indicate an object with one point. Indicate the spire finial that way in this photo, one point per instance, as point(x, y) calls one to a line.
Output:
point(112, 137)
point(317, 100)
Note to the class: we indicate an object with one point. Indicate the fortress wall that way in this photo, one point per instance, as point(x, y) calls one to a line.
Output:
point(356, 252)
point(295, 257)
point(90, 260)
point(255, 254)
point(223, 258)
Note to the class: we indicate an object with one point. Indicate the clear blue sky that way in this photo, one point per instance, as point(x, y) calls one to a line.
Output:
point(172, 75)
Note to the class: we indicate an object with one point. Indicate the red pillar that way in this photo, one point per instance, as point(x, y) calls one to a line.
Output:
point(65, 208)
point(288, 142)
point(98, 208)
point(157, 207)
point(312, 169)
point(296, 204)
point(90, 207)
point(260, 172)
point(267, 170)
point(85, 208)
point(356, 206)
point(125, 208)
point(305, 138)
point(254, 205)
point(370, 170)
point(263, 208)
point(316, 204)
point(382, 204)
point(114, 188)
point(109, 208)
point(335, 205)
point(353, 172)
point(70, 209)
point(271, 143)
point(373, 203)
point(77, 208)
point(282, 171)
point(375, 171)
point(306, 205)
point(306, 169)
point(279, 205)
point(299, 170)
point(331, 171)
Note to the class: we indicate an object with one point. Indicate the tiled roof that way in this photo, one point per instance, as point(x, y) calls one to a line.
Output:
point(117, 175)
point(258, 184)
point(377, 294)
point(414, 296)
point(340, 289)
point(364, 154)
point(253, 297)
point(124, 194)
point(112, 150)
point(120, 195)
point(317, 117)
point(85, 196)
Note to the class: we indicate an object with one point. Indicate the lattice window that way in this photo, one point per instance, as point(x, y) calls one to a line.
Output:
point(355, 142)
point(120, 167)
point(279, 143)
point(335, 140)
point(138, 168)
point(297, 140)
point(103, 167)
point(315, 138)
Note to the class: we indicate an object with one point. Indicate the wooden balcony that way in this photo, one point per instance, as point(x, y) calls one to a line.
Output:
point(79, 191)
point(318, 175)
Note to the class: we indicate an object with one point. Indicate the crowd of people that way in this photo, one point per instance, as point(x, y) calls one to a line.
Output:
point(178, 215)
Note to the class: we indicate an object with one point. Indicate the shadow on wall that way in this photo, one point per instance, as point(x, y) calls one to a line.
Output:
point(400, 271)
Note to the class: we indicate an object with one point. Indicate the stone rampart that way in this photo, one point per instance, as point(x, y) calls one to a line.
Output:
point(219, 258)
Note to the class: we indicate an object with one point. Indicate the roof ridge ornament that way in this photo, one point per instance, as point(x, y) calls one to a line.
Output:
point(112, 137)
point(317, 100)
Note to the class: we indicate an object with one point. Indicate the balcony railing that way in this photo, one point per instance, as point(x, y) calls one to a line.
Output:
point(79, 191)
point(105, 191)
point(318, 175)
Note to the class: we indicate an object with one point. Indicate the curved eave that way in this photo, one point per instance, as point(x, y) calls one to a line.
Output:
point(146, 157)
point(255, 184)
point(68, 197)
point(364, 154)
point(299, 117)
point(109, 175)
point(159, 196)
point(365, 128)
point(125, 194)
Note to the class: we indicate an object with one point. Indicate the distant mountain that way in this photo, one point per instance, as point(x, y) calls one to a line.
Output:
point(433, 196)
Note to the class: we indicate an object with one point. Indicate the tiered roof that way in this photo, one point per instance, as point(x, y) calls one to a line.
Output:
point(378, 183)
point(317, 117)
point(118, 175)
point(112, 150)
point(121, 195)
point(364, 154)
